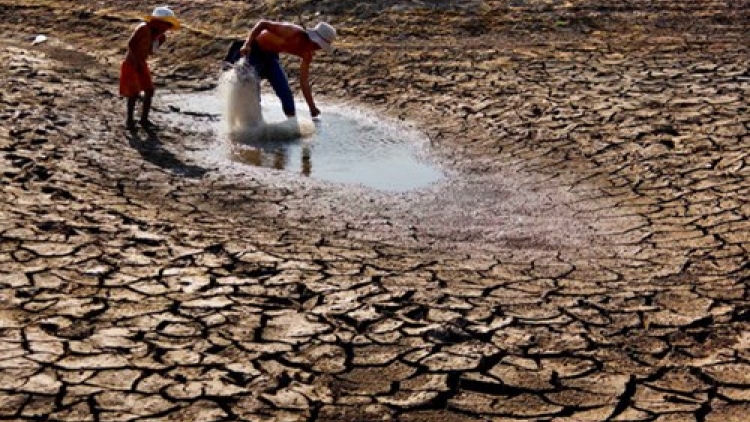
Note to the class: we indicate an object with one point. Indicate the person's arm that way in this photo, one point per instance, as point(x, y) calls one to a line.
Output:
point(257, 29)
point(304, 79)
point(282, 31)
point(158, 42)
point(139, 45)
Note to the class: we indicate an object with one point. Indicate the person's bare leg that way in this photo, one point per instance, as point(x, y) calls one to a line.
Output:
point(130, 122)
point(146, 110)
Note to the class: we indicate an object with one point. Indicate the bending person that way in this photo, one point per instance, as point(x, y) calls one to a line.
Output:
point(267, 40)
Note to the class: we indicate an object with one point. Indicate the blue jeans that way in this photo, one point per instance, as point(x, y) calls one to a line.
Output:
point(268, 66)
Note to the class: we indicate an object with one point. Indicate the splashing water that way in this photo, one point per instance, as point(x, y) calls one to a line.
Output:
point(240, 91)
point(239, 88)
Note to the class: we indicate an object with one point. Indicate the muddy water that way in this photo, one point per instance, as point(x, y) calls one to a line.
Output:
point(345, 145)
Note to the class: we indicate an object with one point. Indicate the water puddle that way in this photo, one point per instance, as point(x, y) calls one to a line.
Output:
point(346, 145)
point(512, 209)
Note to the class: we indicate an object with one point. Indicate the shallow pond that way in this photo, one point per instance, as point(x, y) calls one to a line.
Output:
point(345, 145)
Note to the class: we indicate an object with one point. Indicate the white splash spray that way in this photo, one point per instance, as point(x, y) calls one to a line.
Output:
point(239, 88)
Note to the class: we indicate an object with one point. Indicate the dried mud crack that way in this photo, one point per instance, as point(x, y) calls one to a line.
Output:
point(589, 262)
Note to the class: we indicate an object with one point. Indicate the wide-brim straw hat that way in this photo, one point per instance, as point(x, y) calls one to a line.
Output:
point(164, 14)
point(323, 34)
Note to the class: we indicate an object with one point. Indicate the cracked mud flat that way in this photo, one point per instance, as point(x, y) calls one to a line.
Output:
point(588, 261)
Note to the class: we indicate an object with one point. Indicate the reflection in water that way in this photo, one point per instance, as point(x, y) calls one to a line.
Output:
point(306, 162)
point(279, 160)
point(276, 157)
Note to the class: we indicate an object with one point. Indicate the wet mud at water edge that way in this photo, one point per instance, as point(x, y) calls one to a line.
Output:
point(584, 256)
point(377, 169)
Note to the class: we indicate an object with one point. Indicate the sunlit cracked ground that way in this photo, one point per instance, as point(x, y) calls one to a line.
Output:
point(586, 261)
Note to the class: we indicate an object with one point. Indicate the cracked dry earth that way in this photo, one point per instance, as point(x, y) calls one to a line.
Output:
point(587, 260)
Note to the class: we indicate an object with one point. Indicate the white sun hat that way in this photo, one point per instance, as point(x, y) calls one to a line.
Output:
point(323, 34)
point(164, 13)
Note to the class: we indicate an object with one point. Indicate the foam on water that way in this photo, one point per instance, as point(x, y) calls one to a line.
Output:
point(239, 89)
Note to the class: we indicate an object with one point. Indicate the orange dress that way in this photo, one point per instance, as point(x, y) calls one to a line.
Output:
point(133, 80)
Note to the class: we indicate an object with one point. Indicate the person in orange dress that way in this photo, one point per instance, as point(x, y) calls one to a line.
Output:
point(135, 76)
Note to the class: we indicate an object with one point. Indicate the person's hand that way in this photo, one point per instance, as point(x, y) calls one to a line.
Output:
point(158, 42)
point(162, 39)
point(314, 112)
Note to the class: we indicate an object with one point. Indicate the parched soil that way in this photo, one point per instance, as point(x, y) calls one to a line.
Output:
point(588, 260)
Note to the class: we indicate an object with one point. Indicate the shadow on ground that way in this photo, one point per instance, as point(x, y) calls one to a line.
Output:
point(152, 150)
